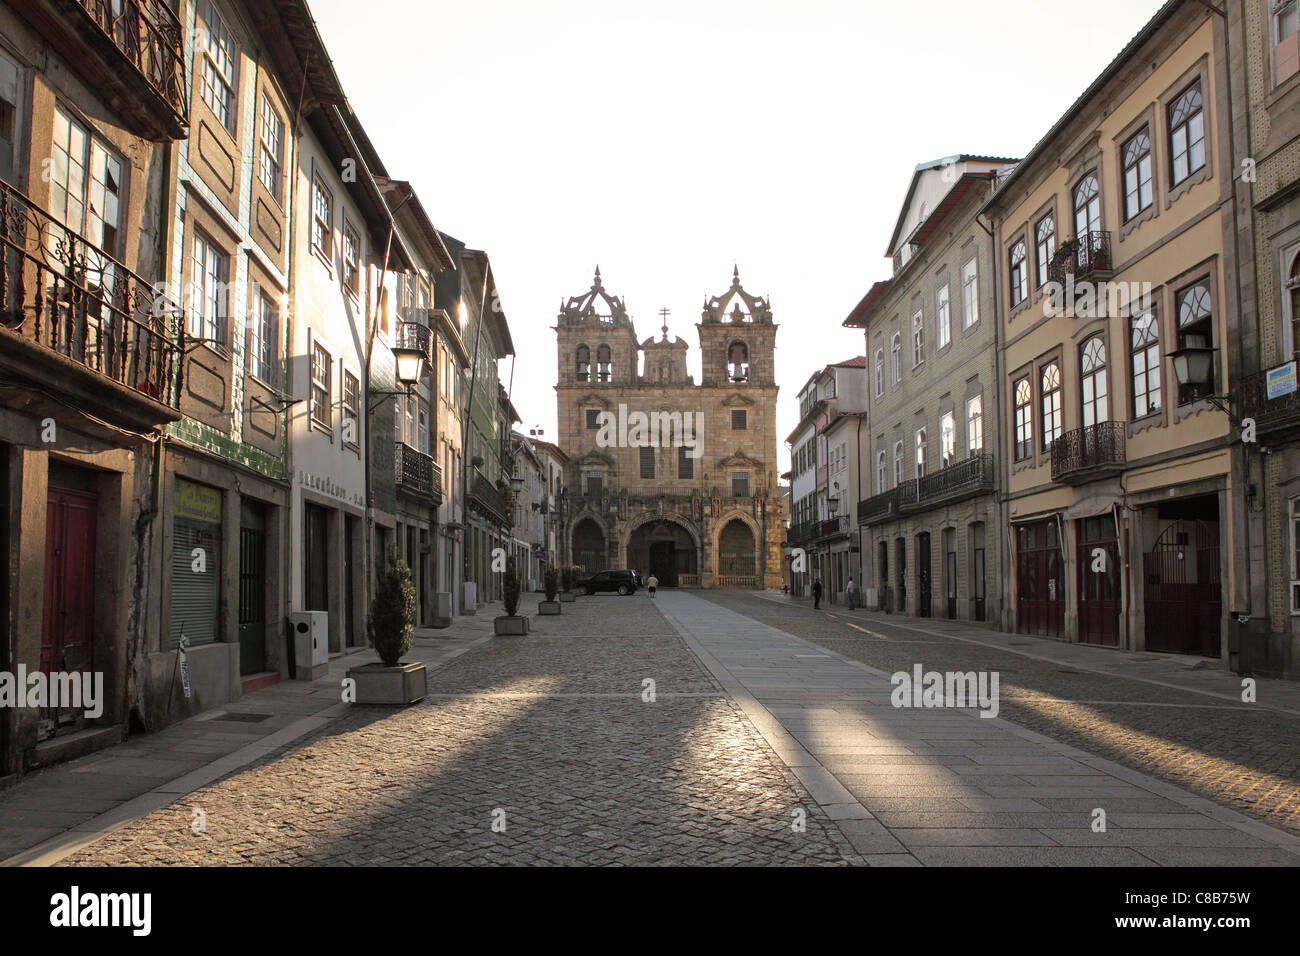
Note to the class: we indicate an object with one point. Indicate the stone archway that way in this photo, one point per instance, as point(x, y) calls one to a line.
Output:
point(589, 550)
point(666, 548)
point(737, 561)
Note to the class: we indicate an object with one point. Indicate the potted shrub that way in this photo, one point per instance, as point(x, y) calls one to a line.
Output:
point(551, 585)
point(510, 622)
point(566, 582)
point(391, 624)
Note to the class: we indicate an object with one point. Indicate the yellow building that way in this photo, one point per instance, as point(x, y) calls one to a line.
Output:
point(1113, 248)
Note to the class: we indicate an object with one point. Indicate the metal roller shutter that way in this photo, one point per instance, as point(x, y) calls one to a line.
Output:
point(195, 595)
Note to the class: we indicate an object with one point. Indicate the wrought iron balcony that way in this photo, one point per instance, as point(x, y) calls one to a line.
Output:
point(878, 507)
point(488, 501)
point(972, 476)
point(413, 470)
point(132, 52)
point(1086, 257)
point(1270, 415)
point(1087, 453)
point(802, 533)
point(833, 526)
point(61, 295)
point(413, 335)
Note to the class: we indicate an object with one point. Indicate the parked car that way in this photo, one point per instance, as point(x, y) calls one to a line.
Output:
point(623, 581)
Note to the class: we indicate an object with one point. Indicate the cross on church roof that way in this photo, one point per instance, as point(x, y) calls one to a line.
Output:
point(664, 313)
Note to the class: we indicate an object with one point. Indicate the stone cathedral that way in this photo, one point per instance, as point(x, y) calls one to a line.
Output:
point(666, 475)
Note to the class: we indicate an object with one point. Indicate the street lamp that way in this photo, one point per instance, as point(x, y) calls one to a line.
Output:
point(410, 369)
point(1194, 368)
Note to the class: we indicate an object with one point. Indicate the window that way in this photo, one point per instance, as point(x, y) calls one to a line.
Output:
point(321, 369)
point(1087, 207)
point(1144, 338)
point(685, 463)
point(1050, 389)
point(351, 409)
point(322, 219)
point(583, 359)
point(880, 372)
point(85, 183)
point(1195, 329)
point(1291, 292)
point(1024, 420)
point(942, 318)
point(881, 473)
point(970, 302)
point(920, 453)
point(1295, 555)
point(593, 418)
point(1186, 134)
point(595, 484)
point(1092, 381)
point(647, 461)
point(208, 278)
point(604, 364)
point(895, 360)
point(947, 439)
point(1019, 274)
point(975, 425)
point(1044, 245)
point(898, 463)
point(1286, 40)
point(271, 159)
point(262, 341)
point(918, 338)
point(424, 429)
point(738, 362)
point(1137, 173)
point(220, 69)
point(739, 419)
point(740, 484)
point(8, 116)
point(351, 261)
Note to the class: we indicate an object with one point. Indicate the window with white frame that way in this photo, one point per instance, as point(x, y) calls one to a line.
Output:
point(270, 162)
point(1145, 352)
point(898, 463)
point(974, 425)
point(1138, 193)
point(1186, 133)
point(1019, 275)
point(881, 473)
point(918, 338)
point(920, 453)
point(896, 360)
point(970, 300)
point(322, 368)
point(1050, 392)
point(947, 439)
point(1044, 245)
point(262, 340)
point(942, 317)
point(1291, 295)
point(351, 260)
point(220, 69)
point(1286, 40)
point(880, 372)
point(322, 218)
point(210, 272)
point(351, 410)
point(1024, 420)
point(85, 179)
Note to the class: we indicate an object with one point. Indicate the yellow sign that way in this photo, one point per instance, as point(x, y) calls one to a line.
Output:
point(197, 502)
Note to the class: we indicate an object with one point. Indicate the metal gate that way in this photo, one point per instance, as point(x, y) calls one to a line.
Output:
point(252, 588)
point(1040, 580)
point(923, 574)
point(1183, 600)
point(1098, 578)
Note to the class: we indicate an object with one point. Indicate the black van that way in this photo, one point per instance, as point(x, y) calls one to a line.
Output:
point(623, 581)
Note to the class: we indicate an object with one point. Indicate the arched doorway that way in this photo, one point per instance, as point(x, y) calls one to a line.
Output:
point(737, 556)
point(665, 549)
point(589, 546)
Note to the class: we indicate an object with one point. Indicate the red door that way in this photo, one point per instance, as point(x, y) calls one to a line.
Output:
point(1040, 580)
point(1099, 590)
point(67, 634)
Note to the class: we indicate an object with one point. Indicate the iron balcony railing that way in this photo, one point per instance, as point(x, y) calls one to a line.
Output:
point(1270, 415)
point(802, 532)
point(488, 501)
point(413, 470)
point(833, 526)
point(1087, 450)
point(878, 506)
point(971, 474)
point(1083, 256)
point(413, 335)
point(68, 295)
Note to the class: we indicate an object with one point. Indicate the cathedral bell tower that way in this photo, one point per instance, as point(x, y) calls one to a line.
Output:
point(737, 339)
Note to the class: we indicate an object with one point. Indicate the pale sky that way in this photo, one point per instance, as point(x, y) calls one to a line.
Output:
point(667, 141)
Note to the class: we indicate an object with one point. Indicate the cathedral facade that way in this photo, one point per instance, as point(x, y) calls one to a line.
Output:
point(666, 475)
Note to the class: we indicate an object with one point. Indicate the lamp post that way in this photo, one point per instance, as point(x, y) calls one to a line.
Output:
point(410, 369)
point(1194, 367)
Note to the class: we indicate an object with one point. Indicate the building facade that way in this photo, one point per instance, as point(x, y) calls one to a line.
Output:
point(664, 475)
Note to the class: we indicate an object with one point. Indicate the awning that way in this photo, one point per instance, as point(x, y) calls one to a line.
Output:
point(1095, 498)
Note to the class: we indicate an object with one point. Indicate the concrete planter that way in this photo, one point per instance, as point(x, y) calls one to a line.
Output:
point(510, 625)
point(548, 607)
point(378, 684)
point(568, 597)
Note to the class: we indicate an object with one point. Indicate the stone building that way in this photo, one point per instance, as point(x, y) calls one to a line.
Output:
point(666, 475)
point(929, 510)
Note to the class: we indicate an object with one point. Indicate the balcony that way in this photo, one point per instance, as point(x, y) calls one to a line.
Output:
point(413, 335)
point(802, 533)
point(131, 52)
point(1271, 415)
point(878, 507)
point(489, 502)
point(417, 474)
point(1085, 257)
point(832, 527)
point(1085, 454)
point(73, 316)
point(961, 479)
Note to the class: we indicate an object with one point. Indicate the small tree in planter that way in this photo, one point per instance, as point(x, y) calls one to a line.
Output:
point(551, 585)
point(391, 624)
point(510, 623)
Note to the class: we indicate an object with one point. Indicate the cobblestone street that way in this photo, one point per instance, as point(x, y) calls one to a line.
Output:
point(544, 750)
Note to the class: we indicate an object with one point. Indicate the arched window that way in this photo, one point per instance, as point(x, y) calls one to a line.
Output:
point(738, 362)
point(1024, 420)
point(1145, 349)
point(584, 363)
point(1019, 274)
point(920, 453)
point(1195, 330)
point(604, 364)
point(1187, 133)
point(1092, 381)
point(896, 360)
point(1087, 208)
point(898, 463)
point(1293, 289)
point(1050, 389)
point(881, 474)
point(880, 372)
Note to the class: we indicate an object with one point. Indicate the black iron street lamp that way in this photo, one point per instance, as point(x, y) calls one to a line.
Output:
point(410, 369)
point(1194, 368)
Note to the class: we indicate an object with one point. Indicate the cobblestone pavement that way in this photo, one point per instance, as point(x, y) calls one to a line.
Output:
point(546, 734)
point(1241, 756)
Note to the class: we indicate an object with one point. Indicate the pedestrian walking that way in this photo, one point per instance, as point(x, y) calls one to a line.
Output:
point(652, 583)
point(817, 594)
point(848, 589)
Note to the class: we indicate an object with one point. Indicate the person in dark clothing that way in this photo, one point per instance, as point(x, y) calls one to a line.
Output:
point(817, 594)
